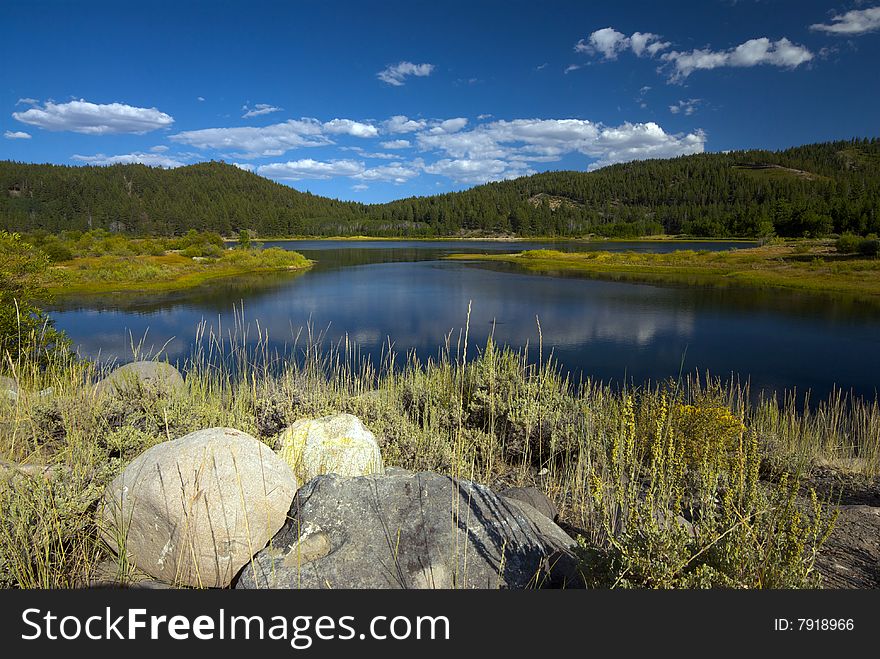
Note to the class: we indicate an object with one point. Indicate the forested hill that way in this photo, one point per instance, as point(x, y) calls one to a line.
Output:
point(810, 190)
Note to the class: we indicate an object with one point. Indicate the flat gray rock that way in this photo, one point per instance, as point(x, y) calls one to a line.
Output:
point(405, 530)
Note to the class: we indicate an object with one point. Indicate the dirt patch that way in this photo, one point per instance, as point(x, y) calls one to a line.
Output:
point(851, 556)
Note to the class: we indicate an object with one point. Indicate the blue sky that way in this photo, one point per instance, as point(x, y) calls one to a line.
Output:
point(374, 101)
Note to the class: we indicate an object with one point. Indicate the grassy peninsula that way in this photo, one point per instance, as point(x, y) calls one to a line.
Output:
point(848, 266)
point(98, 262)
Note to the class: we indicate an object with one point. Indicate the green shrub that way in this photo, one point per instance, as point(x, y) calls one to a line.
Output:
point(869, 246)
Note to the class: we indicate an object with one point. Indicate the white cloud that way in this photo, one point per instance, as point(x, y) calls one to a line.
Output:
point(572, 67)
point(647, 43)
point(396, 144)
point(27, 101)
point(643, 141)
point(396, 173)
point(852, 23)
point(258, 110)
point(246, 166)
point(368, 154)
point(466, 170)
point(686, 107)
point(253, 142)
point(782, 53)
point(316, 169)
point(200, 98)
point(349, 127)
point(296, 170)
point(151, 159)
point(402, 124)
point(396, 74)
point(608, 42)
point(449, 126)
point(359, 187)
point(160, 148)
point(379, 155)
point(94, 119)
point(16, 135)
point(478, 152)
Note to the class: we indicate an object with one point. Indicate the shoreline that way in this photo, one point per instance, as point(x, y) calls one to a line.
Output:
point(777, 266)
point(183, 281)
point(499, 239)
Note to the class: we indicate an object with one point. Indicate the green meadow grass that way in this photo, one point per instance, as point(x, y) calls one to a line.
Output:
point(809, 267)
point(625, 466)
point(166, 272)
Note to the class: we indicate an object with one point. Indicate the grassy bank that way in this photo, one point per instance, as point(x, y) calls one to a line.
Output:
point(108, 274)
point(675, 485)
point(811, 266)
point(98, 262)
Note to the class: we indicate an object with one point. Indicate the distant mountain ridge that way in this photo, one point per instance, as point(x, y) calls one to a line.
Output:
point(808, 190)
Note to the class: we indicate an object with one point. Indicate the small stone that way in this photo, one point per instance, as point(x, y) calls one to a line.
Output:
point(337, 444)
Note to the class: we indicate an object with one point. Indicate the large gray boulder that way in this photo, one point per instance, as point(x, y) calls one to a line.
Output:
point(159, 376)
point(534, 498)
point(336, 444)
point(406, 530)
point(193, 511)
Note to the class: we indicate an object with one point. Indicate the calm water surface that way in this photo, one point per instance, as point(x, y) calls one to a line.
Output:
point(402, 291)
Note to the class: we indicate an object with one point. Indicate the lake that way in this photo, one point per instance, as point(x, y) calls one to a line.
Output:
point(402, 292)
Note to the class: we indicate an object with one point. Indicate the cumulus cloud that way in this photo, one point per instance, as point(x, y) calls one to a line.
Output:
point(396, 74)
point(316, 169)
point(468, 170)
point(253, 142)
point(782, 53)
point(16, 135)
point(640, 142)
point(449, 125)
point(258, 110)
point(381, 155)
point(396, 144)
point(608, 42)
point(94, 119)
point(27, 101)
point(349, 127)
point(478, 152)
point(402, 124)
point(151, 159)
point(396, 173)
point(852, 23)
point(459, 150)
point(686, 106)
point(307, 168)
